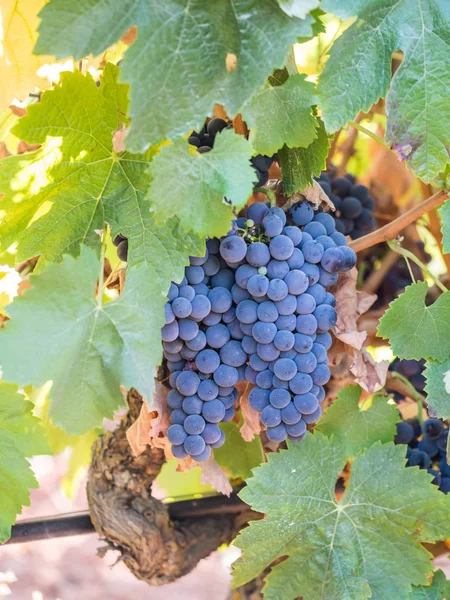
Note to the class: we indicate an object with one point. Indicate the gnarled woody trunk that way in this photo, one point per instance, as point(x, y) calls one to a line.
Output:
point(155, 548)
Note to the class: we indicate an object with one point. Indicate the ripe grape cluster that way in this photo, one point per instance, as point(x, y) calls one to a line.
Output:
point(204, 142)
point(254, 308)
point(202, 346)
point(426, 448)
point(288, 313)
point(412, 370)
point(353, 202)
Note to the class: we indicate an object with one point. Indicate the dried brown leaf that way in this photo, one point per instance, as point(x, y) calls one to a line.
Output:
point(315, 194)
point(23, 147)
point(18, 111)
point(160, 423)
point(4, 152)
point(129, 37)
point(350, 305)
point(251, 425)
point(150, 427)
point(370, 375)
point(138, 435)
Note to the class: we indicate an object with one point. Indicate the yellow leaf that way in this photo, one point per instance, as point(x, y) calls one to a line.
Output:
point(18, 64)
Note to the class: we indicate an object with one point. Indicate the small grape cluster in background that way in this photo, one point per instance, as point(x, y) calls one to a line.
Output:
point(204, 142)
point(353, 202)
point(254, 308)
point(426, 448)
point(412, 370)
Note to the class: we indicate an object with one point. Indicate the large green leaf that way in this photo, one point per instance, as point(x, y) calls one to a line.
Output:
point(366, 545)
point(437, 394)
point(201, 189)
point(237, 456)
point(20, 435)
point(358, 73)
point(58, 331)
point(80, 28)
point(177, 66)
point(358, 428)
point(281, 114)
point(86, 182)
point(298, 165)
point(415, 330)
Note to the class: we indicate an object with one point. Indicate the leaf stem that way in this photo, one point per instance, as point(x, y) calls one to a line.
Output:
point(412, 392)
point(389, 231)
point(270, 194)
point(394, 245)
point(371, 134)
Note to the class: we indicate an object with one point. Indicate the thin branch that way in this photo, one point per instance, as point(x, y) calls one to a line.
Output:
point(402, 385)
point(389, 231)
point(394, 245)
point(369, 133)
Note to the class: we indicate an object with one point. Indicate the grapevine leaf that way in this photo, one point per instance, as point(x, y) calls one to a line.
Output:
point(85, 181)
point(177, 66)
point(415, 330)
point(20, 435)
point(436, 591)
point(18, 64)
point(437, 395)
point(337, 549)
point(418, 124)
point(73, 28)
point(237, 456)
point(298, 8)
point(59, 332)
point(198, 183)
point(358, 428)
point(281, 114)
point(299, 164)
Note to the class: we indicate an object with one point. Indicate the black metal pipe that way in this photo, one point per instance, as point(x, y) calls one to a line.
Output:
point(31, 530)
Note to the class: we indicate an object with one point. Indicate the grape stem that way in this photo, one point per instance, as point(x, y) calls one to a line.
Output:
point(408, 255)
point(402, 385)
point(369, 133)
point(270, 194)
point(390, 231)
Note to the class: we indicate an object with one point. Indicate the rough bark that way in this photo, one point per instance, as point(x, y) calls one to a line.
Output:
point(155, 548)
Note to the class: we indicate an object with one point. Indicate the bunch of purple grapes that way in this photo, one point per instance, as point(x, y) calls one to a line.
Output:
point(412, 370)
point(287, 314)
point(203, 349)
point(204, 142)
point(254, 308)
point(353, 202)
point(426, 448)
